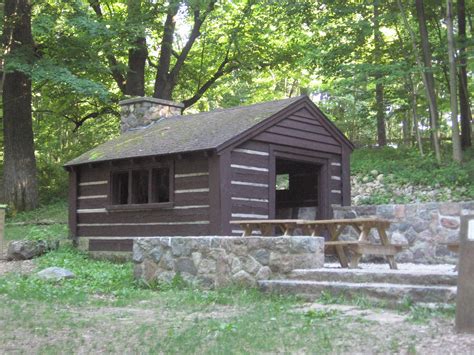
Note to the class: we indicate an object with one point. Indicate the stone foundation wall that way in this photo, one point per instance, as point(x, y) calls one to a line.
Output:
point(424, 227)
point(218, 261)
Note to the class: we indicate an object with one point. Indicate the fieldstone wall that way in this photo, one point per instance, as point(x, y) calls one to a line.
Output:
point(218, 261)
point(143, 111)
point(424, 227)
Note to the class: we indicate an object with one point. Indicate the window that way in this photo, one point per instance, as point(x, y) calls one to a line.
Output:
point(141, 186)
point(161, 185)
point(120, 188)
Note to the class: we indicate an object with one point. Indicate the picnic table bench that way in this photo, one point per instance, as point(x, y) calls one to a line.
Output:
point(334, 227)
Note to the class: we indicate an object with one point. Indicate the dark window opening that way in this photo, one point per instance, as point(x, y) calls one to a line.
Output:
point(140, 186)
point(161, 185)
point(296, 194)
point(120, 188)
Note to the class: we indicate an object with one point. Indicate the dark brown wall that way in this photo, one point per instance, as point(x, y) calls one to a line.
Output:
point(300, 136)
point(189, 214)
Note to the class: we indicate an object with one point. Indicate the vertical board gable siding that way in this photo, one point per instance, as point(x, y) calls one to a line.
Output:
point(189, 214)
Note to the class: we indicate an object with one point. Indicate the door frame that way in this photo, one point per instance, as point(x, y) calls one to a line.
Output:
point(280, 152)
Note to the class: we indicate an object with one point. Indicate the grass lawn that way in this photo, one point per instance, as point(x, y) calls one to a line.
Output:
point(104, 309)
point(21, 226)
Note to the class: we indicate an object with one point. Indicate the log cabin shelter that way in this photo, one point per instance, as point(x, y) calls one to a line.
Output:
point(169, 174)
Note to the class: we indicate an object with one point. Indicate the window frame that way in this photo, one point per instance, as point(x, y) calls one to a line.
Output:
point(111, 206)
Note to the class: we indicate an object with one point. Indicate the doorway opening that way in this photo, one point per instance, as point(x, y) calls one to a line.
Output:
point(297, 189)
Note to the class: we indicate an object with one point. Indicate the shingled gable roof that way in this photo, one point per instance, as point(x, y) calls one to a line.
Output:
point(188, 133)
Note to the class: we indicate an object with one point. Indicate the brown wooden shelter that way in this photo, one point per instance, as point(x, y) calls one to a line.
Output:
point(191, 175)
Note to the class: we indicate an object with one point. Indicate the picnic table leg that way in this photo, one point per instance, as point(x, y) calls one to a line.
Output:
point(341, 254)
point(247, 230)
point(288, 230)
point(385, 241)
point(355, 260)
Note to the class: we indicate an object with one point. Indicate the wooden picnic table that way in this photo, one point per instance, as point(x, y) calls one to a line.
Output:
point(334, 227)
point(267, 226)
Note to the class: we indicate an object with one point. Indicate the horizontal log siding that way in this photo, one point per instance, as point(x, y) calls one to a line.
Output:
point(249, 182)
point(189, 214)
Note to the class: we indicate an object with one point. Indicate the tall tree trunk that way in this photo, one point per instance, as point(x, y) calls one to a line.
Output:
point(20, 182)
point(464, 104)
point(457, 151)
point(414, 104)
point(379, 99)
point(138, 53)
point(429, 78)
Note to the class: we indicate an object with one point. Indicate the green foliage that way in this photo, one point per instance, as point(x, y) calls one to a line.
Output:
point(93, 278)
point(404, 166)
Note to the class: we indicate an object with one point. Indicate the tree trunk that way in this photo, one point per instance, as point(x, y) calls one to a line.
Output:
point(457, 151)
point(379, 100)
point(414, 104)
point(464, 104)
point(429, 78)
point(163, 88)
point(138, 53)
point(20, 182)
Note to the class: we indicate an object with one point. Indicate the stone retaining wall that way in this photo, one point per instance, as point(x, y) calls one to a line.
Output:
point(425, 227)
point(218, 261)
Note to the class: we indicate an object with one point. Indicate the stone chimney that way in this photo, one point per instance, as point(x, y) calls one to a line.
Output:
point(140, 112)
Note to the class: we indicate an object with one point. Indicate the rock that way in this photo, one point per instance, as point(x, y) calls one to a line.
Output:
point(450, 223)
point(244, 278)
point(28, 249)
point(398, 238)
point(185, 265)
point(262, 256)
point(374, 172)
point(264, 273)
point(55, 273)
point(380, 177)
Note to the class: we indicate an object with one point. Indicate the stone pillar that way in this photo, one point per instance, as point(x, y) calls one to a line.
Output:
point(140, 112)
point(3, 245)
point(465, 291)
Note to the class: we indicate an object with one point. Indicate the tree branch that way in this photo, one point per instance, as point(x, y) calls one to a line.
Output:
point(194, 34)
point(113, 63)
point(221, 71)
point(79, 122)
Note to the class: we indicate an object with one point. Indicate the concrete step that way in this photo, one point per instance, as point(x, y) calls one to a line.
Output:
point(427, 278)
point(392, 293)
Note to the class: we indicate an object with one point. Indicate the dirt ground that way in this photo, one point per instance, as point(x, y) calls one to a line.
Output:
point(39, 327)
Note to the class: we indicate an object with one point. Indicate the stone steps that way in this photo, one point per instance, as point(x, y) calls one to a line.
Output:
point(369, 276)
point(392, 293)
point(419, 283)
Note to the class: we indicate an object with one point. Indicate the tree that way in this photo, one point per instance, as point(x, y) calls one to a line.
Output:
point(457, 152)
point(464, 102)
point(379, 97)
point(20, 181)
point(428, 77)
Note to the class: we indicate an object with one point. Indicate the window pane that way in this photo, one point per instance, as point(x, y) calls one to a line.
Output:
point(161, 185)
point(140, 186)
point(283, 182)
point(120, 188)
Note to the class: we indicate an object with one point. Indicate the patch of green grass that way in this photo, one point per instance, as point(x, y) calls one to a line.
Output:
point(44, 232)
point(93, 277)
point(56, 211)
point(422, 315)
point(406, 166)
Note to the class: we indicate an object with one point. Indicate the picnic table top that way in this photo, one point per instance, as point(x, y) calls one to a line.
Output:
point(311, 222)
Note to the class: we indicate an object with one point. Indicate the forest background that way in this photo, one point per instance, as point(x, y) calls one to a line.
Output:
point(395, 75)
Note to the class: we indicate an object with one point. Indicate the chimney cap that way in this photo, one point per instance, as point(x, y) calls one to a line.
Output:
point(151, 100)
